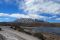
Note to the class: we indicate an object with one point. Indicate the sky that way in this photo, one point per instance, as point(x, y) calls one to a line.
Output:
point(47, 10)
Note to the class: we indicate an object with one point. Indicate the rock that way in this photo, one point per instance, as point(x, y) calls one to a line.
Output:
point(0, 29)
point(2, 37)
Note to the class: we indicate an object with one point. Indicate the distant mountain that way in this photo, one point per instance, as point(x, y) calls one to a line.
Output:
point(25, 20)
point(28, 20)
point(37, 20)
point(30, 23)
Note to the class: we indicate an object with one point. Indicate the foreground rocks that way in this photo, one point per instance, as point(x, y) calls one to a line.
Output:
point(6, 35)
point(15, 35)
point(2, 37)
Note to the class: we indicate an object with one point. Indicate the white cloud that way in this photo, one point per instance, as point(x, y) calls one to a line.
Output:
point(36, 16)
point(57, 19)
point(32, 7)
point(18, 16)
point(45, 6)
point(56, 1)
point(2, 14)
point(53, 17)
point(33, 16)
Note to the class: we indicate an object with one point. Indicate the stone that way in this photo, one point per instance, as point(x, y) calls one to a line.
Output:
point(2, 37)
point(0, 29)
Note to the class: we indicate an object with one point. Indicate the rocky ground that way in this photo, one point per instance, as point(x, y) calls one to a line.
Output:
point(10, 34)
point(51, 36)
point(2, 37)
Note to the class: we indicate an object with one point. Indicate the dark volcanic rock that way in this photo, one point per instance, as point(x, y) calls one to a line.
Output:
point(2, 37)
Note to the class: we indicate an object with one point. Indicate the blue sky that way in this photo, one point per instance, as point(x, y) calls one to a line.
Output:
point(47, 10)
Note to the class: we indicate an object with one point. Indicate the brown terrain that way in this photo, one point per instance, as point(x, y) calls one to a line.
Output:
point(46, 24)
point(50, 36)
point(42, 24)
point(46, 36)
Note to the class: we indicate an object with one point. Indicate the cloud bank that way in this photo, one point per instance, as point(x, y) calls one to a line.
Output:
point(33, 9)
point(37, 7)
point(18, 15)
point(44, 6)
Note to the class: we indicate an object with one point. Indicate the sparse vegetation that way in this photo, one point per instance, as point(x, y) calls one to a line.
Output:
point(39, 35)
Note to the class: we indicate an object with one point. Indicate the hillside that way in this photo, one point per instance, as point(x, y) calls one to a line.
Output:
point(30, 23)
